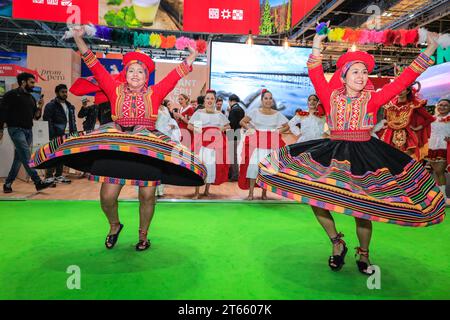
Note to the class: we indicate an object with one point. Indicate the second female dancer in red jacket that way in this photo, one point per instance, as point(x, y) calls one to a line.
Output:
point(351, 172)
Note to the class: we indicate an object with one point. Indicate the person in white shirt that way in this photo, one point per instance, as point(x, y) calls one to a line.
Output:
point(168, 126)
point(311, 122)
point(210, 143)
point(437, 144)
point(264, 126)
point(182, 116)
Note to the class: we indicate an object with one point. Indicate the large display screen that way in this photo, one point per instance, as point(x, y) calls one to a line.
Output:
point(246, 70)
point(435, 83)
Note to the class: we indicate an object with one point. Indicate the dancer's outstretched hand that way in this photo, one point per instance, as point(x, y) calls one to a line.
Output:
point(193, 54)
point(78, 31)
point(432, 38)
point(319, 38)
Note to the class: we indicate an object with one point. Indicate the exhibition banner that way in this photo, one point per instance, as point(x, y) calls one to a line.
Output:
point(227, 16)
point(12, 70)
point(54, 66)
point(66, 11)
point(17, 58)
point(300, 8)
point(143, 14)
point(193, 85)
point(6, 8)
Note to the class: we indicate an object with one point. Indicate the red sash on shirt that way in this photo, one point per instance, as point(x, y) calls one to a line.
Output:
point(188, 111)
point(262, 140)
point(213, 138)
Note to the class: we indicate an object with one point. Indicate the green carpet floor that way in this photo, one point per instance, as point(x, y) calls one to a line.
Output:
point(209, 251)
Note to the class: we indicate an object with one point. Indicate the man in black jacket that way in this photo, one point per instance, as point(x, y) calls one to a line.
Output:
point(89, 113)
point(235, 116)
point(17, 110)
point(104, 113)
point(200, 103)
point(60, 115)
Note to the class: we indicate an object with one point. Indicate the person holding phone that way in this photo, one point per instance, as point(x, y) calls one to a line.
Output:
point(89, 114)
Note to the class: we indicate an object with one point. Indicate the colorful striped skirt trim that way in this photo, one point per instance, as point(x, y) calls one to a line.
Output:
point(408, 198)
point(139, 157)
point(129, 182)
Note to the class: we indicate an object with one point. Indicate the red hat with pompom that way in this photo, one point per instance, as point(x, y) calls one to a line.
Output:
point(347, 60)
point(136, 56)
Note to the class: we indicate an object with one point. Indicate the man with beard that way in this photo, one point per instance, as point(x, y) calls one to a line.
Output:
point(60, 114)
point(17, 110)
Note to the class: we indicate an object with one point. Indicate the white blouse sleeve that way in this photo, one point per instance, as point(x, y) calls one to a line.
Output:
point(195, 117)
point(293, 125)
point(173, 122)
point(281, 119)
point(223, 119)
point(447, 131)
point(252, 113)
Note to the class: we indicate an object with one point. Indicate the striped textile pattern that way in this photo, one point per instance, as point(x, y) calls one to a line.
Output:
point(410, 198)
point(140, 141)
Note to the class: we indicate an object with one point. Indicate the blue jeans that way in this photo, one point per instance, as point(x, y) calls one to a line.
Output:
point(22, 139)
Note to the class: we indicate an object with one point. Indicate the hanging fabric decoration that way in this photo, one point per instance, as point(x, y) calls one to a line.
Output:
point(387, 37)
point(171, 40)
point(155, 40)
point(138, 39)
point(121, 36)
point(163, 42)
point(336, 34)
point(103, 32)
point(90, 30)
point(201, 46)
point(182, 43)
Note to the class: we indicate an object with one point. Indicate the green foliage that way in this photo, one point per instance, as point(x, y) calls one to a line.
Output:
point(267, 25)
point(125, 18)
point(289, 16)
point(115, 2)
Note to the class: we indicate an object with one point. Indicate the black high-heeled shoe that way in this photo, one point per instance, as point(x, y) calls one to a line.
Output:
point(143, 244)
point(111, 239)
point(363, 267)
point(336, 262)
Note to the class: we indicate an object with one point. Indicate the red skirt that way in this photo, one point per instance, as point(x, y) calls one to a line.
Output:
point(260, 139)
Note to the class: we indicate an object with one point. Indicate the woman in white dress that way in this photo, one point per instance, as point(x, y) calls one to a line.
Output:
point(209, 127)
point(167, 125)
point(263, 127)
point(437, 144)
point(312, 122)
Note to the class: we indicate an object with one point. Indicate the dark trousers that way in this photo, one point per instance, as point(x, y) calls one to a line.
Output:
point(54, 171)
point(23, 140)
point(234, 166)
point(57, 171)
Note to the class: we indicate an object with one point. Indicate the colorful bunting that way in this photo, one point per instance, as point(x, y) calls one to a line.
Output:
point(387, 37)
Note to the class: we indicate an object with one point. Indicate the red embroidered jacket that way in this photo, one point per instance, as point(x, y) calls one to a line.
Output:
point(400, 117)
point(134, 108)
point(344, 114)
